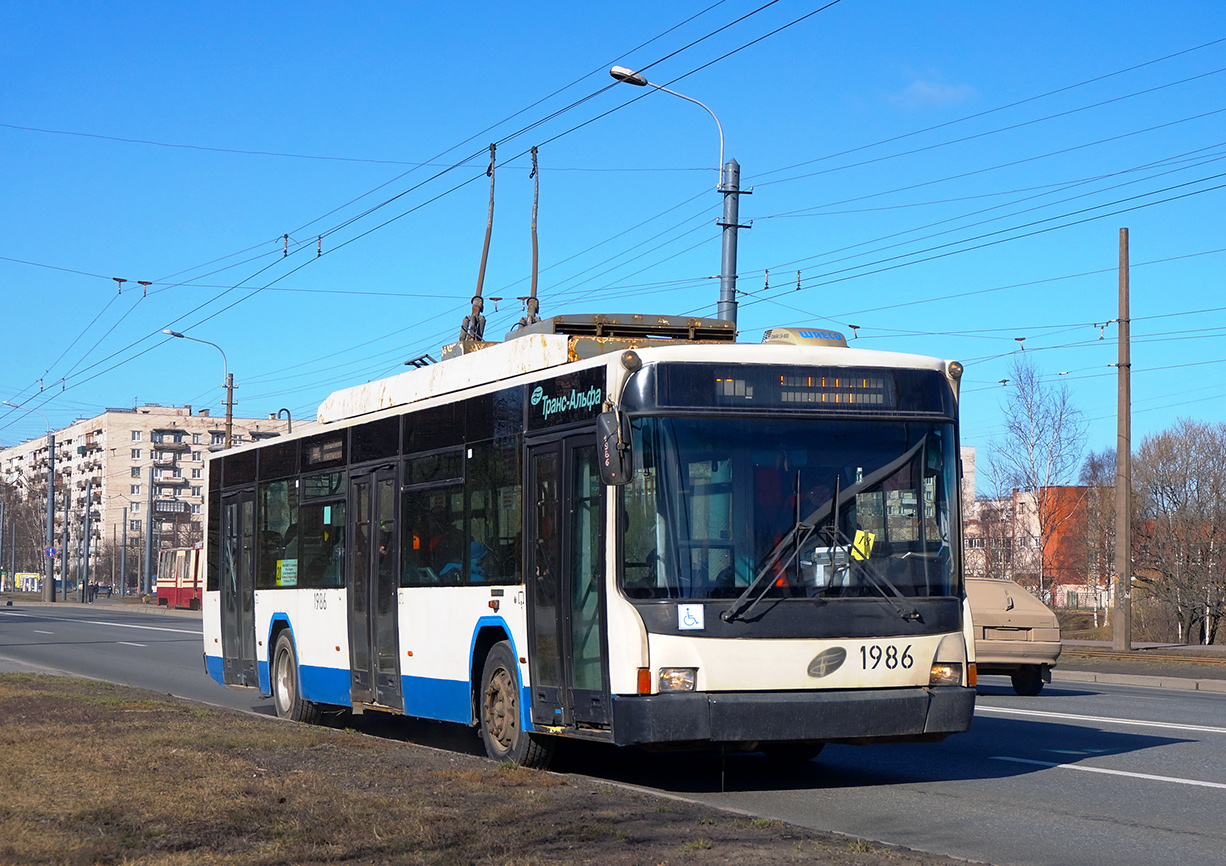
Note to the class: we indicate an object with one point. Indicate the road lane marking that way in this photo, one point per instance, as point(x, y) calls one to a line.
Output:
point(1106, 720)
point(1146, 776)
point(144, 627)
point(127, 643)
point(40, 631)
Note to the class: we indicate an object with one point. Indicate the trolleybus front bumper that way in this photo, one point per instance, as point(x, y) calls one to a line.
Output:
point(741, 717)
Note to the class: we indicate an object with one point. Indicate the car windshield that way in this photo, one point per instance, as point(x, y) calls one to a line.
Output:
point(795, 508)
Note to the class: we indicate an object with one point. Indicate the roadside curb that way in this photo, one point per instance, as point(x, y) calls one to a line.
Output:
point(1180, 683)
point(117, 604)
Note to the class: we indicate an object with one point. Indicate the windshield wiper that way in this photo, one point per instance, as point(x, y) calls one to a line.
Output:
point(876, 580)
point(741, 607)
point(802, 530)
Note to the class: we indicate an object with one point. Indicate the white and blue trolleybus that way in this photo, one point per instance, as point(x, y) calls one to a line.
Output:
point(624, 529)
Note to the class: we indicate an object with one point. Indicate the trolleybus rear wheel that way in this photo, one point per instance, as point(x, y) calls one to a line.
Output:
point(504, 737)
point(286, 693)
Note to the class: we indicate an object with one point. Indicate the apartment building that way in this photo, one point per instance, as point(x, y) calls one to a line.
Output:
point(141, 468)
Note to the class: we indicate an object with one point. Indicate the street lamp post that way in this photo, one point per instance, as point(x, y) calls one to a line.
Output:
point(729, 185)
point(227, 380)
point(49, 583)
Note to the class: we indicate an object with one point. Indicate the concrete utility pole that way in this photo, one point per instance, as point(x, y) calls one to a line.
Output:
point(49, 584)
point(64, 543)
point(1121, 626)
point(229, 409)
point(147, 580)
point(227, 379)
point(123, 557)
point(89, 512)
point(729, 186)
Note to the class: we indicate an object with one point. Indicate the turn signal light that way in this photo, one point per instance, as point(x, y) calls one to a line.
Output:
point(644, 681)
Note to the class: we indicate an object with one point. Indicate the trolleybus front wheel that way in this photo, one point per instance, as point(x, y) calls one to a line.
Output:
point(504, 737)
point(286, 693)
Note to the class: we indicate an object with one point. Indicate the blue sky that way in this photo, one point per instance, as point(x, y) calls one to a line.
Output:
point(947, 176)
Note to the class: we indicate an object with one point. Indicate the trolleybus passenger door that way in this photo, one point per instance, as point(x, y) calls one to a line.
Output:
point(565, 580)
point(238, 588)
point(374, 675)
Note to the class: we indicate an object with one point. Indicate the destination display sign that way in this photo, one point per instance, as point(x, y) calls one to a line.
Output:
point(566, 399)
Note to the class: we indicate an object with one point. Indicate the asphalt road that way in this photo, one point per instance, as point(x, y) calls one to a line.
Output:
point(143, 646)
point(1082, 774)
point(1110, 775)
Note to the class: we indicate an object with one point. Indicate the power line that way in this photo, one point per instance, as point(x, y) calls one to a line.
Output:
point(841, 274)
point(995, 110)
point(965, 226)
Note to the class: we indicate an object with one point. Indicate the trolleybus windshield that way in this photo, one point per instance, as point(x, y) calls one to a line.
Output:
point(793, 507)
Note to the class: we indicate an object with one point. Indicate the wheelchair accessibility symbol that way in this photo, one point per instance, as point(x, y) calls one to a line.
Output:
point(690, 617)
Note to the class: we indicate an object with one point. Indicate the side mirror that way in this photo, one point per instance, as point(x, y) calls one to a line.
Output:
point(615, 454)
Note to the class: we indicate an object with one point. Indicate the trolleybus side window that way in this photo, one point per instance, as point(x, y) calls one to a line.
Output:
point(432, 518)
point(461, 520)
point(277, 518)
point(495, 519)
point(375, 440)
point(213, 578)
point(321, 531)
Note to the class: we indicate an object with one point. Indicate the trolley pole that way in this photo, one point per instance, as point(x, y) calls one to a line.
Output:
point(1121, 631)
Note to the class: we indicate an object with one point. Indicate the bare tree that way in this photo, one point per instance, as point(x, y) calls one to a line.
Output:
point(25, 527)
point(1180, 481)
point(1098, 477)
point(1043, 440)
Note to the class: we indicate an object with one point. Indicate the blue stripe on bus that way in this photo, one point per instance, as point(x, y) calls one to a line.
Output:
point(325, 685)
point(216, 668)
point(445, 700)
point(424, 697)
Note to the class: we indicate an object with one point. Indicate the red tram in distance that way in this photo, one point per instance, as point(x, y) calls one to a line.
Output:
point(180, 578)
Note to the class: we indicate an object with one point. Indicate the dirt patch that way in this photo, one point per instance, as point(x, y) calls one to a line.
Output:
point(97, 773)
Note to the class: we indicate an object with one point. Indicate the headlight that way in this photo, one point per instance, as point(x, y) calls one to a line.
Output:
point(678, 679)
point(945, 674)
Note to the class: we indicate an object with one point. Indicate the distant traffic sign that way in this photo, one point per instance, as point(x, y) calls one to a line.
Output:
point(50, 551)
